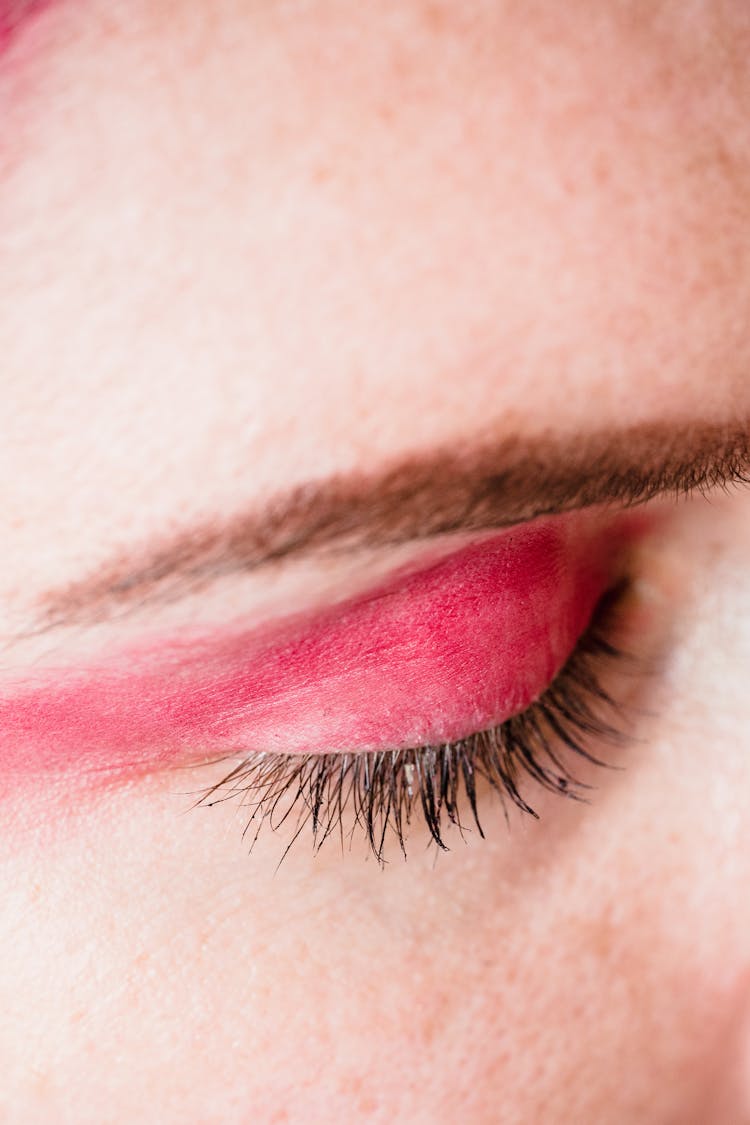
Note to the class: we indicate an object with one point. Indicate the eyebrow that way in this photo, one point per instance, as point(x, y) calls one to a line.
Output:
point(448, 490)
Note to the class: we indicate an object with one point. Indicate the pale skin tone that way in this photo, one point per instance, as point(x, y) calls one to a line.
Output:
point(243, 246)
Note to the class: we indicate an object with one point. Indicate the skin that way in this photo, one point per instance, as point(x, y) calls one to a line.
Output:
point(242, 246)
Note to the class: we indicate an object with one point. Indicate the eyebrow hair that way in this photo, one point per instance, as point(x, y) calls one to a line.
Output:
point(492, 485)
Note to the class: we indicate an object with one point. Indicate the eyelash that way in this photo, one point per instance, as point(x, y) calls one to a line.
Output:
point(379, 792)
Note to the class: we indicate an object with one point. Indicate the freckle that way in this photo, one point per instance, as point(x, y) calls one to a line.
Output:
point(435, 17)
point(602, 174)
point(322, 174)
point(386, 113)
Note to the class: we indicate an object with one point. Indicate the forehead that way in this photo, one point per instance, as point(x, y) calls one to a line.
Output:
point(243, 245)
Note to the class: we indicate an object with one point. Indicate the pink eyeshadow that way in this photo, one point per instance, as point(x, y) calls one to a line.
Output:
point(427, 657)
point(15, 15)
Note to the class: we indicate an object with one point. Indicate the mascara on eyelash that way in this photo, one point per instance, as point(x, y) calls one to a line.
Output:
point(380, 794)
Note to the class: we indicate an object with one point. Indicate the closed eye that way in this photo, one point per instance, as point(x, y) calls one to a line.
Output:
point(568, 714)
point(381, 794)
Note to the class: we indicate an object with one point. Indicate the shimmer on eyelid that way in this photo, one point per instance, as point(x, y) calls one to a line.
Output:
point(427, 658)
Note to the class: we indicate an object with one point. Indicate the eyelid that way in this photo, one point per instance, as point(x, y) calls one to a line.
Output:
point(429, 656)
point(378, 794)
